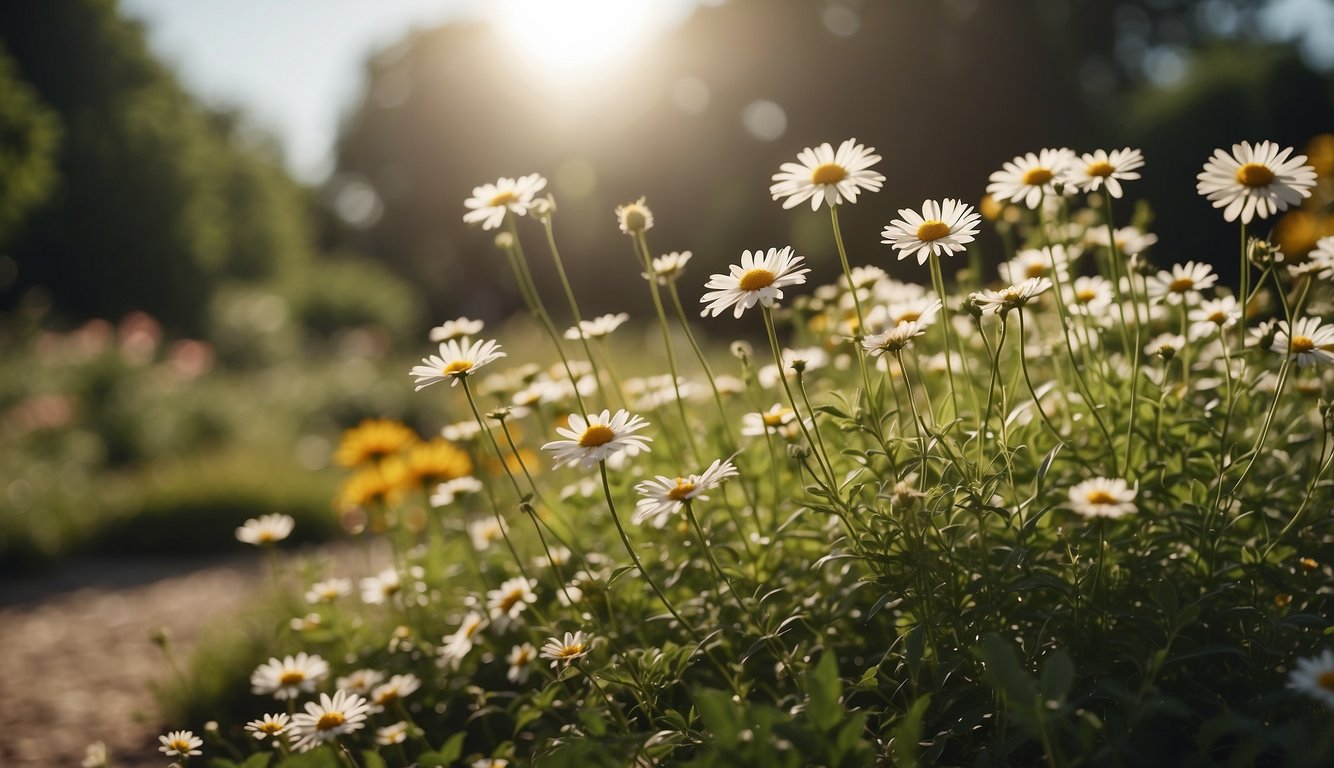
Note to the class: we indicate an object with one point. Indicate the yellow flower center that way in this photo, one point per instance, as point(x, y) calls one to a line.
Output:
point(907, 317)
point(756, 279)
point(570, 651)
point(503, 198)
point(1326, 680)
point(266, 536)
point(1101, 496)
point(682, 490)
point(456, 367)
point(180, 745)
point(596, 435)
point(1254, 175)
point(1302, 344)
point(829, 173)
point(1181, 285)
point(510, 600)
point(329, 721)
point(933, 229)
point(292, 677)
point(1035, 269)
point(1101, 168)
point(1086, 295)
point(387, 697)
point(1035, 176)
point(774, 419)
point(271, 728)
point(1217, 318)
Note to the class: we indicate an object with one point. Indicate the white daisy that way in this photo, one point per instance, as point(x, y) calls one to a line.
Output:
point(1103, 497)
point(398, 687)
point(1255, 180)
point(1129, 240)
point(759, 279)
point(485, 532)
point(1184, 282)
point(669, 266)
point(942, 228)
point(1030, 177)
point(1053, 262)
point(328, 719)
point(446, 492)
point(758, 424)
point(361, 681)
point(1213, 316)
point(561, 652)
point(895, 339)
point(520, 660)
point(1315, 677)
point(490, 202)
point(290, 677)
point(663, 496)
point(180, 743)
point(922, 310)
point(459, 644)
point(328, 591)
point(1091, 296)
point(1310, 342)
point(456, 329)
point(265, 529)
point(1320, 261)
point(269, 725)
point(809, 359)
point(489, 762)
point(390, 735)
point(1165, 345)
point(598, 437)
point(456, 360)
point(380, 588)
point(597, 327)
point(461, 431)
point(634, 218)
point(1101, 168)
point(823, 174)
point(508, 603)
point(1018, 295)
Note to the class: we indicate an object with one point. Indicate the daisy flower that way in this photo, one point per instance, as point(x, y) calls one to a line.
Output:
point(942, 228)
point(1103, 497)
point(328, 590)
point(823, 174)
point(634, 218)
point(1165, 345)
point(489, 762)
point(1310, 343)
point(808, 359)
point(508, 602)
point(269, 725)
point(485, 532)
point(895, 339)
point(520, 660)
point(758, 424)
point(1129, 240)
point(459, 644)
point(597, 327)
point(361, 681)
point(180, 743)
point(390, 735)
point(663, 496)
point(1091, 295)
point(1183, 282)
point(398, 687)
point(455, 361)
point(1002, 301)
point(669, 266)
point(490, 202)
point(1053, 261)
point(446, 492)
point(1104, 169)
point(1315, 677)
point(1213, 315)
point(265, 529)
point(1030, 177)
point(1255, 180)
point(456, 329)
point(598, 437)
point(290, 677)
point(328, 719)
point(921, 310)
point(576, 645)
point(379, 588)
point(759, 279)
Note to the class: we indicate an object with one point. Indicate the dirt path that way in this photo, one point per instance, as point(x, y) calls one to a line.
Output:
point(78, 656)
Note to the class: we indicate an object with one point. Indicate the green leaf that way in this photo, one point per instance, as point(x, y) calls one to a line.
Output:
point(257, 760)
point(1058, 675)
point(908, 733)
point(1005, 672)
point(720, 715)
point(825, 689)
point(371, 759)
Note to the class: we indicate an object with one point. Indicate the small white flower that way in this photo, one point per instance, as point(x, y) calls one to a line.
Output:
point(360, 681)
point(941, 229)
point(1030, 177)
point(1006, 299)
point(1183, 283)
point(455, 361)
point(1166, 345)
point(508, 602)
point(825, 175)
point(459, 644)
point(328, 591)
point(381, 587)
point(489, 762)
point(1255, 180)
point(663, 496)
point(448, 491)
point(597, 327)
point(398, 687)
point(289, 677)
point(895, 339)
point(759, 279)
point(392, 734)
point(180, 743)
point(1315, 677)
point(265, 529)
point(1213, 316)
point(269, 725)
point(520, 660)
point(561, 652)
point(328, 719)
point(1053, 262)
point(669, 266)
point(810, 359)
point(1310, 343)
point(1103, 497)
point(1130, 241)
point(598, 437)
point(456, 329)
point(490, 202)
point(770, 421)
point(921, 310)
point(1101, 168)
point(1091, 296)
point(484, 532)
point(633, 218)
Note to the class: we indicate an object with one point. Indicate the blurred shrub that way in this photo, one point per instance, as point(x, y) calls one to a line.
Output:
point(29, 136)
point(349, 293)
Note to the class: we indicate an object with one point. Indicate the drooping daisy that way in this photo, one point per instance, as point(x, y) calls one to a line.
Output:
point(634, 218)
point(361, 681)
point(770, 421)
point(1016, 296)
point(457, 645)
point(381, 587)
point(446, 492)
point(1103, 497)
point(269, 725)
point(1165, 345)
point(1213, 316)
point(1092, 171)
point(328, 719)
point(289, 677)
point(1310, 343)
point(456, 329)
point(597, 327)
point(1030, 177)
point(807, 359)
point(669, 266)
point(942, 228)
point(390, 735)
point(520, 660)
point(455, 361)
point(180, 743)
point(329, 590)
point(490, 202)
point(508, 603)
point(895, 339)
point(396, 688)
point(1255, 180)
point(598, 437)
point(759, 279)
point(265, 529)
point(1315, 677)
point(823, 174)
point(574, 646)
point(664, 496)
point(1184, 282)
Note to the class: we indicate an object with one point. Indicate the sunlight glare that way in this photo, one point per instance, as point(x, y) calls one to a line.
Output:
point(572, 37)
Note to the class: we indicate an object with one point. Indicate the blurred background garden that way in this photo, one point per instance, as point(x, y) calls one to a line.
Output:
point(226, 227)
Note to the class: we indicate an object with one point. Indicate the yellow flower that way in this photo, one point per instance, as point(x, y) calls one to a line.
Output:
point(436, 462)
point(371, 440)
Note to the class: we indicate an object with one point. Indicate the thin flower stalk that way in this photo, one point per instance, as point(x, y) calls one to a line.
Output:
point(569, 297)
point(641, 244)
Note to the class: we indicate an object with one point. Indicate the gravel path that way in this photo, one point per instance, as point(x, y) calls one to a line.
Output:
point(78, 656)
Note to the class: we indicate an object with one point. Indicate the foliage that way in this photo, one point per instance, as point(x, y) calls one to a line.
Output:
point(29, 136)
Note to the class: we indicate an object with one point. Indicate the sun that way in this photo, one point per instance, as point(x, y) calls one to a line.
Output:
point(574, 39)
